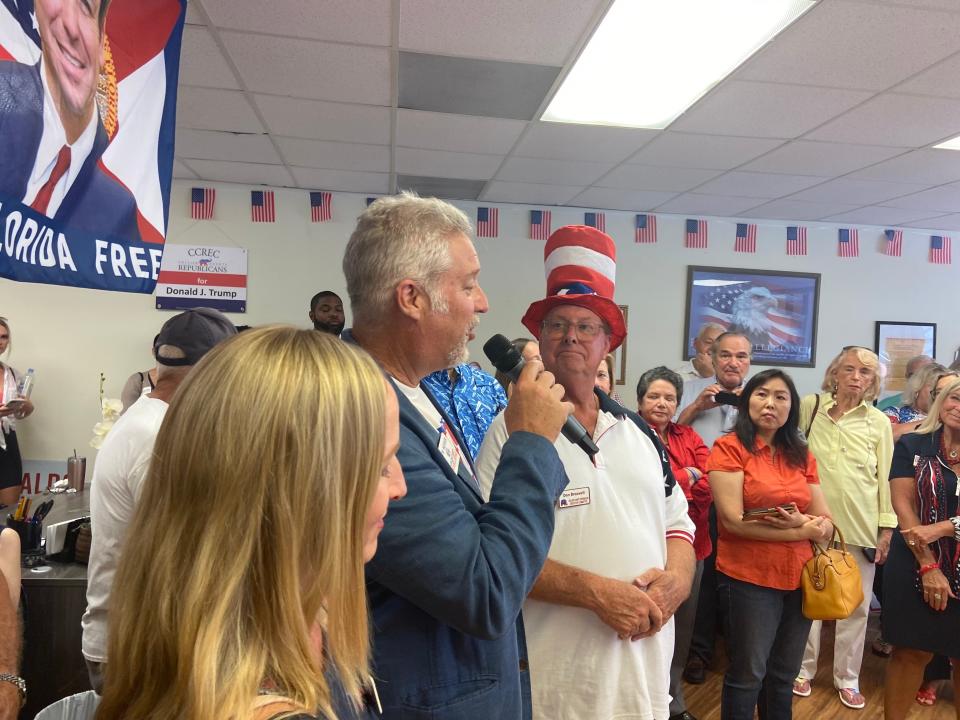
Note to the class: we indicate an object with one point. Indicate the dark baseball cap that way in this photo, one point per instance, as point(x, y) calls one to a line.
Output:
point(194, 332)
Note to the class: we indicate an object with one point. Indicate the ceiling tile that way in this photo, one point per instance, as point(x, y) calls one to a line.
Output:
point(342, 180)
point(439, 163)
point(941, 222)
point(182, 171)
point(202, 63)
point(565, 141)
point(892, 119)
point(931, 167)
point(884, 216)
point(760, 185)
point(316, 120)
point(233, 147)
point(945, 198)
point(766, 109)
point(702, 151)
point(367, 22)
point(334, 156)
point(720, 205)
point(240, 172)
point(210, 109)
point(464, 86)
point(534, 170)
point(535, 31)
point(449, 188)
point(856, 192)
point(457, 133)
point(942, 80)
point(816, 158)
point(515, 192)
point(652, 177)
point(796, 210)
point(854, 45)
point(305, 68)
point(620, 199)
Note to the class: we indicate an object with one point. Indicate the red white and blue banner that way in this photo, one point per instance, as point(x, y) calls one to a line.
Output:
point(540, 224)
point(746, 239)
point(194, 276)
point(894, 243)
point(87, 109)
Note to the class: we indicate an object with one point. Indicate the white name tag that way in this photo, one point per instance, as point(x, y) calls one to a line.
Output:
point(448, 448)
point(574, 497)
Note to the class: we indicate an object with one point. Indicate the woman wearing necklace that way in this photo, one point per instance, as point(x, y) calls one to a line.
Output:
point(922, 579)
point(853, 444)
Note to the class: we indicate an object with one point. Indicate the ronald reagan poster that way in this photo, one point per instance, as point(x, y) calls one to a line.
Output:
point(87, 111)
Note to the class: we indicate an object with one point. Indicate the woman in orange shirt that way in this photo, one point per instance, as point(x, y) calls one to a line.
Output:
point(765, 463)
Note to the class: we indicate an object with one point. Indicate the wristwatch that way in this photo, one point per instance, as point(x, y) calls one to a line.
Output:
point(19, 683)
point(956, 527)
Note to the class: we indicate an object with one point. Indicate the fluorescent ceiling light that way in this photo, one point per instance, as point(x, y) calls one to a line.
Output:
point(951, 144)
point(649, 60)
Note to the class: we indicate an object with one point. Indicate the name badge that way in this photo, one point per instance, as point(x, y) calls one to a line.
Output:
point(448, 448)
point(574, 497)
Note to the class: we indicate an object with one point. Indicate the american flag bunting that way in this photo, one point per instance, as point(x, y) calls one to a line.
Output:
point(746, 240)
point(595, 220)
point(262, 208)
point(894, 245)
point(848, 243)
point(645, 229)
point(696, 235)
point(540, 224)
point(940, 250)
point(321, 206)
point(201, 203)
point(488, 222)
point(796, 240)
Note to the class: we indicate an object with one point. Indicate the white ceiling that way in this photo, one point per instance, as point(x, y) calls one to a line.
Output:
point(833, 120)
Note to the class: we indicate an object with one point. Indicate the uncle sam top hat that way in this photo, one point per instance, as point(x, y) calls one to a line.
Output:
point(581, 267)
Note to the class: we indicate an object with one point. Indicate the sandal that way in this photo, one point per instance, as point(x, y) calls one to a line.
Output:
point(927, 695)
point(852, 698)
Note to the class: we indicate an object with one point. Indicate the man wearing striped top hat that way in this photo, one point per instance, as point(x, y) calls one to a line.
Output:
point(598, 620)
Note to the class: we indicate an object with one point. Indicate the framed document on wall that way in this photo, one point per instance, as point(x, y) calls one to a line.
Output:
point(895, 343)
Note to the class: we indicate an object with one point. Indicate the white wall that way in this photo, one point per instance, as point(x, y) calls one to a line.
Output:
point(70, 335)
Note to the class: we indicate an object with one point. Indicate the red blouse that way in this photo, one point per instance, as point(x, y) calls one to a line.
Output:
point(686, 449)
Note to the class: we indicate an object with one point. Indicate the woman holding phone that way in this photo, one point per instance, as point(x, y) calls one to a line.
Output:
point(764, 463)
point(12, 408)
point(853, 444)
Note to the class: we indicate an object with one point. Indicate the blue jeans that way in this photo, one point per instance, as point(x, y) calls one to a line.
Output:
point(765, 634)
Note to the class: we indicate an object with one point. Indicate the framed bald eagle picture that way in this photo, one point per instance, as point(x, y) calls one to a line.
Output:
point(776, 310)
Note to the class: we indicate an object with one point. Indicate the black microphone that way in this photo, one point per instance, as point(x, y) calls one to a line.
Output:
point(508, 360)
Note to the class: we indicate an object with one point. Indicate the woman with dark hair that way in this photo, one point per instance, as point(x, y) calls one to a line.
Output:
point(658, 393)
point(769, 506)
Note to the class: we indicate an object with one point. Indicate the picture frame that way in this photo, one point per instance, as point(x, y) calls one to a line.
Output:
point(777, 310)
point(895, 343)
point(620, 354)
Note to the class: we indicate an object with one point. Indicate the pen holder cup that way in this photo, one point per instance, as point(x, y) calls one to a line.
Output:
point(29, 532)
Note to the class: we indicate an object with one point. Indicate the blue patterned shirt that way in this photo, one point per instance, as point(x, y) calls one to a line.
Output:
point(473, 402)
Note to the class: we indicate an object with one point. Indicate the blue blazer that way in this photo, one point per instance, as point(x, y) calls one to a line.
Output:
point(95, 203)
point(451, 574)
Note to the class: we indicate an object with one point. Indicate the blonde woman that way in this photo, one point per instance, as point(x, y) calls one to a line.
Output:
point(241, 592)
point(12, 408)
point(853, 444)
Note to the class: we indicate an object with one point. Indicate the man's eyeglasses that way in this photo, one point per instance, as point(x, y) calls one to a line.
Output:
point(559, 328)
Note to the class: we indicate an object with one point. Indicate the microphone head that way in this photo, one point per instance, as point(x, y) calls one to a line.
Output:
point(501, 352)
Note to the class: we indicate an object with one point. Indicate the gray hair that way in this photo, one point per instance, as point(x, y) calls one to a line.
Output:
point(866, 357)
point(915, 363)
point(921, 378)
point(398, 237)
point(710, 326)
point(661, 372)
point(715, 348)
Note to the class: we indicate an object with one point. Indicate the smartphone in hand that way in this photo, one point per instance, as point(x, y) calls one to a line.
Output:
point(726, 398)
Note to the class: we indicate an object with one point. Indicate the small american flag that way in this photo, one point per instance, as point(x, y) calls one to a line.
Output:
point(645, 230)
point(201, 203)
point(595, 220)
point(940, 250)
point(488, 222)
point(894, 244)
point(370, 201)
point(848, 244)
point(696, 236)
point(320, 206)
point(539, 224)
point(261, 206)
point(796, 240)
point(746, 241)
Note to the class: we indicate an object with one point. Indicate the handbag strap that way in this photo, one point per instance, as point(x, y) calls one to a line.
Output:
point(837, 533)
point(813, 417)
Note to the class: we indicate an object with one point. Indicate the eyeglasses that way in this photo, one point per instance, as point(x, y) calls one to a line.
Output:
point(560, 328)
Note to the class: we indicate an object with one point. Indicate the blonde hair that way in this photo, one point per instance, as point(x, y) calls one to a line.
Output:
point(932, 422)
point(920, 379)
point(865, 356)
point(249, 529)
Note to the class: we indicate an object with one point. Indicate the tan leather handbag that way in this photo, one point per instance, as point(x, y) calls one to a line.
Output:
point(832, 588)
